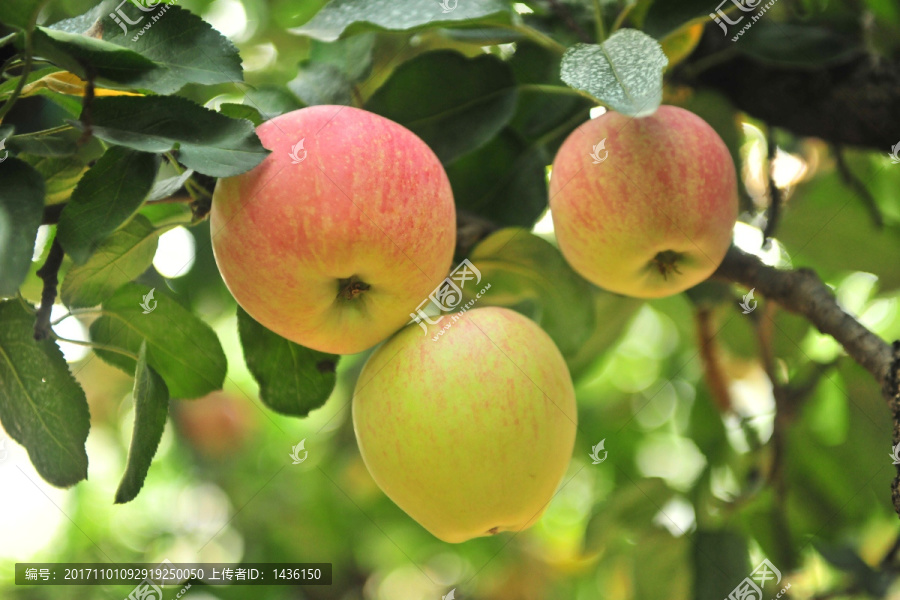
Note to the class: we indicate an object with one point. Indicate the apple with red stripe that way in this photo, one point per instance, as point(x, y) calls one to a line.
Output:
point(651, 211)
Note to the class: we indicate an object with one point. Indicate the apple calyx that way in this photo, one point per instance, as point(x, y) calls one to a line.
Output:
point(351, 287)
point(666, 262)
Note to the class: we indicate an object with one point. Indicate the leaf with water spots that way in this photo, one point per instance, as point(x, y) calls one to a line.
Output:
point(624, 72)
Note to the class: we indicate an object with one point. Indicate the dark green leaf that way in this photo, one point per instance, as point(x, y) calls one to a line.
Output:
point(186, 47)
point(151, 407)
point(59, 142)
point(792, 45)
point(21, 208)
point(117, 260)
point(665, 17)
point(355, 16)
point(454, 103)
point(113, 66)
point(180, 347)
point(109, 194)
point(502, 181)
point(207, 141)
point(293, 380)
point(42, 407)
point(624, 72)
point(528, 274)
point(539, 113)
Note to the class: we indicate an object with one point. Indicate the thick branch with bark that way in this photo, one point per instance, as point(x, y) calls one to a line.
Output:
point(802, 292)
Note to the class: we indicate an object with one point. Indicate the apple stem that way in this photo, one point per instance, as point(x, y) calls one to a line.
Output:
point(667, 262)
point(351, 287)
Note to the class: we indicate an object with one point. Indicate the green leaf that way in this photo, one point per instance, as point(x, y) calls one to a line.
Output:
point(665, 17)
point(42, 407)
point(113, 66)
point(624, 72)
point(293, 380)
point(151, 407)
point(528, 274)
point(354, 16)
point(790, 45)
point(117, 260)
point(21, 13)
point(165, 187)
point(721, 561)
point(825, 217)
point(60, 175)
point(48, 142)
point(21, 209)
point(271, 101)
point(173, 43)
point(109, 194)
point(539, 113)
point(502, 181)
point(180, 347)
point(454, 103)
point(207, 141)
point(331, 72)
point(241, 111)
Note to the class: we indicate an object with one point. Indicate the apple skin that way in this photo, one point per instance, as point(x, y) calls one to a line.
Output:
point(472, 433)
point(656, 216)
point(369, 202)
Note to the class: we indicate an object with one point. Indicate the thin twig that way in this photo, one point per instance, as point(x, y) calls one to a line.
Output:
point(774, 193)
point(858, 187)
point(49, 273)
point(716, 380)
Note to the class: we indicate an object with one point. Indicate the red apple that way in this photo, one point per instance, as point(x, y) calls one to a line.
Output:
point(340, 233)
point(644, 206)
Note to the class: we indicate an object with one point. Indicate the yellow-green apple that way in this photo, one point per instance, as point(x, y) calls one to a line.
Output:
point(644, 206)
point(340, 233)
point(470, 433)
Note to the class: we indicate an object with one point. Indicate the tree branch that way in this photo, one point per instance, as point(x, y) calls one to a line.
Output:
point(802, 292)
point(49, 273)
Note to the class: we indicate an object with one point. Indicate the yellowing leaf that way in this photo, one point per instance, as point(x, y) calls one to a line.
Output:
point(679, 44)
point(64, 82)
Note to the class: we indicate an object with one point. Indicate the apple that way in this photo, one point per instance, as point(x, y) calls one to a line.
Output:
point(644, 206)
point(340, 233)
point(470, 433)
